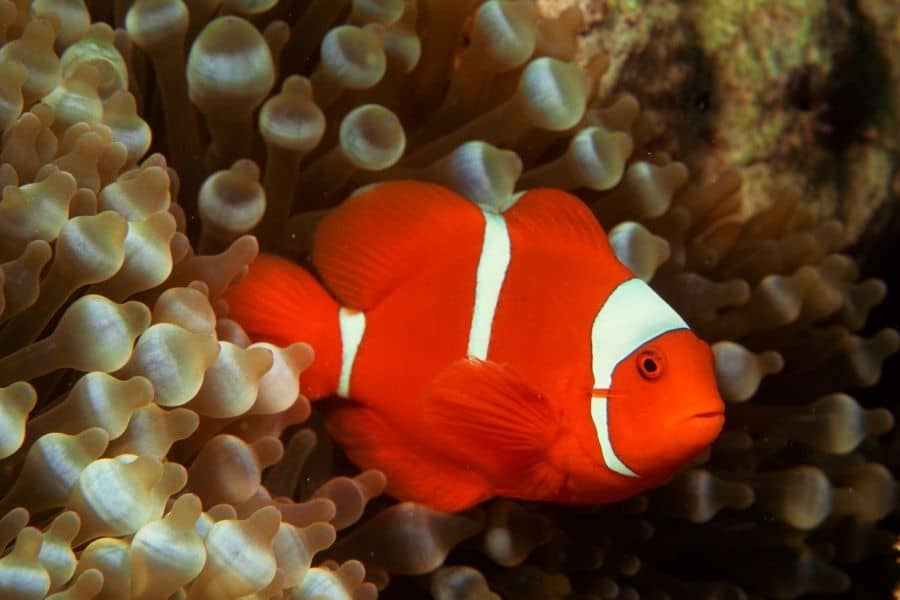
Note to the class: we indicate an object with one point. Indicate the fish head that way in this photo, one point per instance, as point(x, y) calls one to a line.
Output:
point(655, 404)
point(663, 406)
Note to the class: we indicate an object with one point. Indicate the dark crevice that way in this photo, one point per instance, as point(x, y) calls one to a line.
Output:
point(857, 92)
point(674, 77)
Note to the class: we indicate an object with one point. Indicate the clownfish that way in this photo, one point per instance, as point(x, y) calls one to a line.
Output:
point(478, 352)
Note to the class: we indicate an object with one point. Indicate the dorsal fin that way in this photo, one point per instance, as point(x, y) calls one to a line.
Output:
point(545, 213)
point(385, 233)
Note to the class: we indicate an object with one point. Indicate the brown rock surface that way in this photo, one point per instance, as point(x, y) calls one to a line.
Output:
point(798, 93)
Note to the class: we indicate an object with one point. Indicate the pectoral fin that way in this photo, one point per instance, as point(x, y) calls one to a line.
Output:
point(484, 415)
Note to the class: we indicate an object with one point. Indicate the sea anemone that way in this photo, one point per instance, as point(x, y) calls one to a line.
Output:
point(150, 450)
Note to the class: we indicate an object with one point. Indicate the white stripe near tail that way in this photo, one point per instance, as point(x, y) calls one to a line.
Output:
point(353, 326)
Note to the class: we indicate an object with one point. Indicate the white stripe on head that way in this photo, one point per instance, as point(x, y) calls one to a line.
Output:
point(353, 326)
point(632, 316)
point(601, 423)
point(492, 265)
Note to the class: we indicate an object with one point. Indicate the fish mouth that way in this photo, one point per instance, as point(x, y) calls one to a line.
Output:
point(708, 414)
point(706, 424)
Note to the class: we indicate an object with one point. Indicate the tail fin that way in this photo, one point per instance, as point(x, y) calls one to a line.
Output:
point(280, 302)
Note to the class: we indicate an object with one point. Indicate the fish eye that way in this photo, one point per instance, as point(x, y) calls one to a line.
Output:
point(650, 364)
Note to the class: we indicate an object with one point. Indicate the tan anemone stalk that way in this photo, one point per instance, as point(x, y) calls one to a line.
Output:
point(151, 450)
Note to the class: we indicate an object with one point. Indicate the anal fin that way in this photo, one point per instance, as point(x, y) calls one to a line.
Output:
point(412, 474)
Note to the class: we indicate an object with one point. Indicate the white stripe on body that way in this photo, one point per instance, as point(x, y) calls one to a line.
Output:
point(489, 277)
point(353, 326)
point(492, 266)
point(632, 316)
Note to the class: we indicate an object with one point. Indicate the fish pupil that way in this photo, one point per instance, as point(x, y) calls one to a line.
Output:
point(650, 364)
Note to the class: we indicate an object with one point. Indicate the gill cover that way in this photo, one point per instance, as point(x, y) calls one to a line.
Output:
point(632, 316)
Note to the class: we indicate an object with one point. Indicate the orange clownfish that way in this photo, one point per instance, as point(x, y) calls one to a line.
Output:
point(478, 352)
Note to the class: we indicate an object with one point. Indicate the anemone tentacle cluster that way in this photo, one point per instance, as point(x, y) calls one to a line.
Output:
point(150, 450)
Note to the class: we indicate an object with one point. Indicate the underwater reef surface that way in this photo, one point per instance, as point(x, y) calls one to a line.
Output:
point(741, 155)
point(793, 93)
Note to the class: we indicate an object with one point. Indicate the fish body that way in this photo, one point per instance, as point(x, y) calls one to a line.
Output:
point(478, 353)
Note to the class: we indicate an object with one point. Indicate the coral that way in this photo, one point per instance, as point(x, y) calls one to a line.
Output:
point(151, 450)
point(790, 93)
